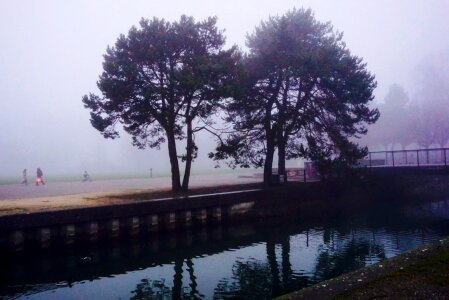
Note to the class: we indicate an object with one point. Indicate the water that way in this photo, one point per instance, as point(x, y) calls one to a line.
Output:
point(256, 261)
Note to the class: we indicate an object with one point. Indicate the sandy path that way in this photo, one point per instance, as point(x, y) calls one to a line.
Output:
point(18, 198)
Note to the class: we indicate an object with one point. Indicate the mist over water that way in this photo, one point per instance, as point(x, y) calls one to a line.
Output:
point(51, 56)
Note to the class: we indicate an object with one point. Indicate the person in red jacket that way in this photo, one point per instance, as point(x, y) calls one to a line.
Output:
point(39, 175)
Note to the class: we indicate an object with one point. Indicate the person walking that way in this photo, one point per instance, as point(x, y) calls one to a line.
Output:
point(25, 179)
point(86, 177)
point(39, 175)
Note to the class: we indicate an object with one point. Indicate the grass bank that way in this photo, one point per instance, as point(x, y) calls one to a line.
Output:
point(422, 273)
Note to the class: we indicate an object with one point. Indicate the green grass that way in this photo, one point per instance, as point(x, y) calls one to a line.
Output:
point(79, 177)
point(432, 272)
point(119, 175)
point(435, 269)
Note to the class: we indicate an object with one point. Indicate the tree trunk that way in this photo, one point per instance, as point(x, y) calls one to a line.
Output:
point(268, 165)
point(281, 158)
point(189, 153)
point(175, 176)
point(281, 141)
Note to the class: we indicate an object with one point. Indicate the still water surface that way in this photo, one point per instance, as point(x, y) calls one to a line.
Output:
point(257, 261)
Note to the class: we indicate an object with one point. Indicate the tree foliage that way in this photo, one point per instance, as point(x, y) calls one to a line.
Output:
point(162, 82)
point(304, 94)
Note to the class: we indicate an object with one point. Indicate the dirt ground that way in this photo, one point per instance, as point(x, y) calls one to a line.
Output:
point(16, 198)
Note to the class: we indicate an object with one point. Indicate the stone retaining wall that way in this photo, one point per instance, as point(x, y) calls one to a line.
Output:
point(69, 226)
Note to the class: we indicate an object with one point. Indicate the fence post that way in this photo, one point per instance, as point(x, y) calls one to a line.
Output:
point(305, 181)
point(417, 157)
point(369, 155)
point(392, 157)
point(406, 162)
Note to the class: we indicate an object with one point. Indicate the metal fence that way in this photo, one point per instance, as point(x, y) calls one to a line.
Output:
point(307, 174)
point(404, 158)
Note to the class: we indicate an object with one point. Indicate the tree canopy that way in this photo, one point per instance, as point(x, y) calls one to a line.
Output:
point(298, 90)
point(304, 94)
point(162, 82)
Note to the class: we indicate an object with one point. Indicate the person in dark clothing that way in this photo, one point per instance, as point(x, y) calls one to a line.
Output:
point(39, 175)
point(86, 177)
point(25, 179)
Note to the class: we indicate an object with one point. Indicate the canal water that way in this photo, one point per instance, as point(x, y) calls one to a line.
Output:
point(249, 261)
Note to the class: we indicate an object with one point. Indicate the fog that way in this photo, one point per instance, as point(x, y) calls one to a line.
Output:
point(417, 117)
point(51, 55)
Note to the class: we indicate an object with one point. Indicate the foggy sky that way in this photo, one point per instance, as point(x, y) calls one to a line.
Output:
point(51, 55)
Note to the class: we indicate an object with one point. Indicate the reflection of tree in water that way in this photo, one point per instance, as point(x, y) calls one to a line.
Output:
point(157, 289)
point(151, 289)
point(331, 263)
point(251, 279)
point(254, 279)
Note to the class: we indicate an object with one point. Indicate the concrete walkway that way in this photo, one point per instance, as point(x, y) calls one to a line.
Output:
point(16, 198)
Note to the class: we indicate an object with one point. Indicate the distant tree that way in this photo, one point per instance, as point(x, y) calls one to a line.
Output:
point(441, 126)
point(423, 128)
point(303, 90)
point(432, 98)
point(430, 124)
point(162, 82)
point(397, 118)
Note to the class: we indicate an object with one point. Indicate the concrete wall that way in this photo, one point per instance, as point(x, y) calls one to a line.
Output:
point(80, 225)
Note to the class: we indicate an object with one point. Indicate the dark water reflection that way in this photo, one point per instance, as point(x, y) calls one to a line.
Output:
point(257, 261)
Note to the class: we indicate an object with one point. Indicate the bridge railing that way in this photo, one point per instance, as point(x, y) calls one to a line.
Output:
point(404, 158)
